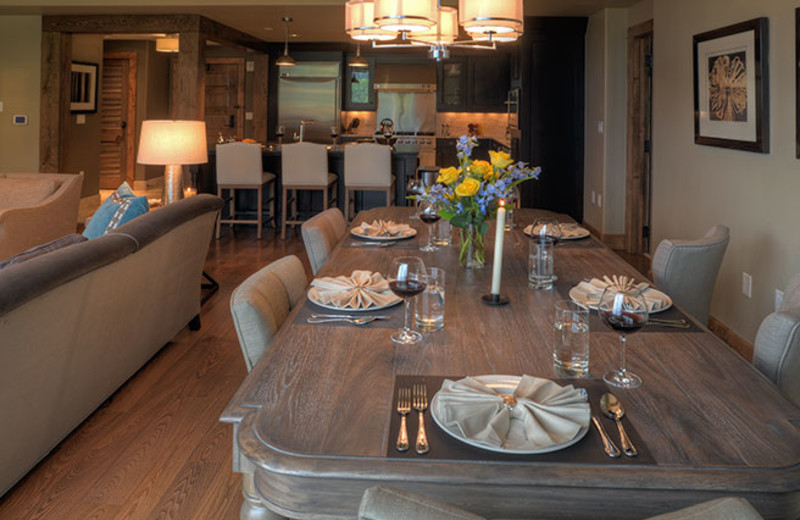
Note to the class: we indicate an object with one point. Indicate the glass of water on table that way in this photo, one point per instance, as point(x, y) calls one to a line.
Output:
point(429, 308)
point(571, 339)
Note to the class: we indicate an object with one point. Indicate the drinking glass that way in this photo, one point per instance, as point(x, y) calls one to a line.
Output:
point(540, 263)
point(334, 134)
point(546, 227)
point(512, 202)
point(429, 307)
point(624, 311)
point(280, 131)
point(444, 233)
point(407, 277)
point(571, 339)
point(429, 214)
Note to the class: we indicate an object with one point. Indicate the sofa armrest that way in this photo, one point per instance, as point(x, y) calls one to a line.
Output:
point(384, 503)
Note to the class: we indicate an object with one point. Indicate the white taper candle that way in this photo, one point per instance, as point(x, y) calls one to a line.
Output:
point(499, 233)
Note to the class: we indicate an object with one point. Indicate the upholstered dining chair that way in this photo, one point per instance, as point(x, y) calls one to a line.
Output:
point(304, 166)
point(321, 233)
point(239, 167)
point(384, 503)
point(777, 346)
point(261, 303)
point(687, 269)
point(367, 167)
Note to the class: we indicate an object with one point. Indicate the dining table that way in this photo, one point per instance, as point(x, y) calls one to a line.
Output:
point(315, 421)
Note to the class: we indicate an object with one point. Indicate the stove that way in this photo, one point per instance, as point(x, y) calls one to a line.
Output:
point(425, 140)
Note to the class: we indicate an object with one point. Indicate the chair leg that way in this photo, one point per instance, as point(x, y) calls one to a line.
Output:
point(294, 204)
point(219, 217)
point(272, 205)
point(325, 199)
point(283, 214)
point(389, 197)
point(233, 205)
point(347, 204)
point(260, 211)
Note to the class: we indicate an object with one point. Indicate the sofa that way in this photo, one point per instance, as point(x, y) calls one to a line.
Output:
point(76, 323)
point(36, 208)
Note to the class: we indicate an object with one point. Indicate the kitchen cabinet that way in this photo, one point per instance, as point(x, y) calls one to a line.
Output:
point(451, 91)
point(359, 86)
point(447, 155)
point(473, 83)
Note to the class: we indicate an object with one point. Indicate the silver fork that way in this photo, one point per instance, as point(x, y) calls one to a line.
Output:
point(420, 405)
point(403, 408)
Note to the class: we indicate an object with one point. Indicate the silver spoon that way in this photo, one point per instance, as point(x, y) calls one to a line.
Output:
point(355, 321)
point(613, 409)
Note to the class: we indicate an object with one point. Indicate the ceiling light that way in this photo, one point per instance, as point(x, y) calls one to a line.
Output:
point(405, 15)
point(358, 61)
point(359, 22)
point(491, 19)
point(444, 32)
point(286, 60)
point(169, 44)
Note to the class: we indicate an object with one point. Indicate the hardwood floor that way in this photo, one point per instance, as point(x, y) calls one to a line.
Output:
point(156, 450)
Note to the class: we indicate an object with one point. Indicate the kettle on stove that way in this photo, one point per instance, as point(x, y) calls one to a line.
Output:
point(386, 127)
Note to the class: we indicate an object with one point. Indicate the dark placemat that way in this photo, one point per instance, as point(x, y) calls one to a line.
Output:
point(406, 243)
point(588, 450)
point(394, 312)
point(596, 324)
point(580, 243)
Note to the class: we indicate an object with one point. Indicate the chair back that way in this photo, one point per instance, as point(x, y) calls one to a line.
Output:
point(777, 346)
point(687, 270)
point(261, 303)
point(320, 234)
point(239, 164)
point(368, 164)
point(304, 164)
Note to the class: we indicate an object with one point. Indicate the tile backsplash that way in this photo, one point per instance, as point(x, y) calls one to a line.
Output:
point(491, 125)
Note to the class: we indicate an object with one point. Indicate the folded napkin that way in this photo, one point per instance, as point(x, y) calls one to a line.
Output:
point(383, 228)
point(591, 291)
point(568, 230)
point(360, 290)
point(541, 413)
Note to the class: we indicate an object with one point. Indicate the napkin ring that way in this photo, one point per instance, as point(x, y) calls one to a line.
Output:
point(509, 400)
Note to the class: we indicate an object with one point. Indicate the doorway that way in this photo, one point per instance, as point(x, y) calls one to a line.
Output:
point(117, 119)
point(640, 144)
point(224, 99)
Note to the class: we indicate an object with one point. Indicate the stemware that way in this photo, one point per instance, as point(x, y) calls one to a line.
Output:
point(407, 278)
point(334, 134)
point(429, 214)
point(280, 131)
point(625, 311)
point(546, 227)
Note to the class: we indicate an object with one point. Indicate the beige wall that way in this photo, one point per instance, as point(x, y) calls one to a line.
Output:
point(594, 143)
point(20, 82)
point(695, 186)
point(640, 13)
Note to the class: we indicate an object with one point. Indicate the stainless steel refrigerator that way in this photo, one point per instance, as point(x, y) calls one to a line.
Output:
point(309, 92)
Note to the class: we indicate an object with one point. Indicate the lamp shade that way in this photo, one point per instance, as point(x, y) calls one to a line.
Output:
point(359, 22)
point(167, 44)
point(172, 142)
point(406, 15)
point(445, 32)
point(495, 17)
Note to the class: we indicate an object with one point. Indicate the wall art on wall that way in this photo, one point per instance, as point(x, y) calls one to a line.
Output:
point(731, 87)
point(83, 87)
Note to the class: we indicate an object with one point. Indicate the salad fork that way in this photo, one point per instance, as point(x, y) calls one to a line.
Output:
point(420, 405)
point(403, 408)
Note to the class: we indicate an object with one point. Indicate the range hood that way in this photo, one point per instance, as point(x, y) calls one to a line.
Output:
point(411, 106)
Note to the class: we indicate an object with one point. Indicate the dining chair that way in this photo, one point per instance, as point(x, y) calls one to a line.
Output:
point(261, 303)
point(777, 346)
point(687, 269)
point(320, 234)
point(385, 503)
point(239, 167)
point(304, 166)
point(367, 167)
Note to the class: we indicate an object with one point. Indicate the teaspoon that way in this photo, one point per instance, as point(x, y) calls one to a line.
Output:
point(613, 409)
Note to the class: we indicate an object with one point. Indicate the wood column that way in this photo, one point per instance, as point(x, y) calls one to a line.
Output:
point(55, 95)
point(188, 78)
point(260, 93)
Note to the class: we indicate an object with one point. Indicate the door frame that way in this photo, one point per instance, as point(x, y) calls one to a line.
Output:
point(634, 182)
point(130, 126)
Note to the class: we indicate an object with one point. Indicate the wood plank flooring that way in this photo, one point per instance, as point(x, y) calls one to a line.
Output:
point(156, 450)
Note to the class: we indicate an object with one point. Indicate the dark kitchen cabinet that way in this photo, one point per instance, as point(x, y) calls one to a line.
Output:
point(474, 83)
point(451, 91)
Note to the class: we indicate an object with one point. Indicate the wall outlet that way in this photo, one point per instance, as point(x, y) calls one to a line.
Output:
point(778, 299)
point(20, 120)
point(600, 200)
point(1, 106)
point(248, 116)
point(594, 197)
point(80, 119)
point(250, 66)
point(747, 285)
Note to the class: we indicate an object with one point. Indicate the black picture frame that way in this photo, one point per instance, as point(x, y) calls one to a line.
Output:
point(83, 87)
point(731, 87)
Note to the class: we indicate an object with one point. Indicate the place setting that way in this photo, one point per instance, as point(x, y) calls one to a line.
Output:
point(382, 234)
point(563, 234)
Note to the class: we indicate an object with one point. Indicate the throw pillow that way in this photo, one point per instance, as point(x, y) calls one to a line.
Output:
point(123, 205)
point(33, 252)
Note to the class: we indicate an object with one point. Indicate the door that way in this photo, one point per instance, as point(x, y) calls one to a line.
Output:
point(224, 98)
point(117, 119)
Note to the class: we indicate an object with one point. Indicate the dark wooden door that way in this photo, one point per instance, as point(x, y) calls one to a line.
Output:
point(224, 98)
point(117, 119)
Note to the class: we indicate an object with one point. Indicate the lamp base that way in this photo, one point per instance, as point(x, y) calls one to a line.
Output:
point(494, 300)
point(173, 184)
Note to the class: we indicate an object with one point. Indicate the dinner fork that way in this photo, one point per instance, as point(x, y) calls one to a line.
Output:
point(403, 408)
point(420, 405)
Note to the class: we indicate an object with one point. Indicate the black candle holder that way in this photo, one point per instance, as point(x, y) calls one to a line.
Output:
point(494, 300)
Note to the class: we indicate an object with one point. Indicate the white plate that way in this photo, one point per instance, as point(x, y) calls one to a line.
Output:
point(502, 385)
point(577, 231)
point(591, 303)
point(313, 297)
point(408, 234)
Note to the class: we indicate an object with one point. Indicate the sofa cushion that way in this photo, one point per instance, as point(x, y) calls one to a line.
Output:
point(123, 205)
point(20, 193)
point(33, 252)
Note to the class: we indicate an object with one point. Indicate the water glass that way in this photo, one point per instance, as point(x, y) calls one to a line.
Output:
point(429, 308)
point(444, 233)
point(571, 339)
point(540, 263)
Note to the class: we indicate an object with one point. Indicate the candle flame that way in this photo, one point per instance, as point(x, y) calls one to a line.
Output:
point(502, 202)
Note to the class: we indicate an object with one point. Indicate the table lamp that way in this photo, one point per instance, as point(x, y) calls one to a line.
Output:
point(172, 144)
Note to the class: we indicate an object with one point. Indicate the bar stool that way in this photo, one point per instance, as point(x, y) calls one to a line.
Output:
point(304, 166)
point(239, 167)
point(367, 167)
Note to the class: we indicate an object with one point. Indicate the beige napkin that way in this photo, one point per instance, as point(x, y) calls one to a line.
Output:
point(591, 291)
point(545, 413)
point(383, 228)
point(568, 230)
point(360, 290)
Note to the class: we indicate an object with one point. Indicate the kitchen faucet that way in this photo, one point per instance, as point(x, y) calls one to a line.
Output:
point(303, 123)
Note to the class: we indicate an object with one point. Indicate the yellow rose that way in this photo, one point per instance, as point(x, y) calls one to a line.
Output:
point(449, 175)
point(482, 169)
point(500, 160)
point(468, 187)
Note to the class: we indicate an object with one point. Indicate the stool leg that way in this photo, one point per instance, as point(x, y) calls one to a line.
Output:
point(347, 205)
point(283, 214)
point(260, 210)
point(219, 217)
point(272, 205)
point(325, 198)
point(233, 205)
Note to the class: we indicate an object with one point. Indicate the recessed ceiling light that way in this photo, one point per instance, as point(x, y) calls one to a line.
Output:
point(268, 29)
point(295, 35)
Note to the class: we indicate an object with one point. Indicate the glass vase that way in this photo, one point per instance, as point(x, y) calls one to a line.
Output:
point(473, 251)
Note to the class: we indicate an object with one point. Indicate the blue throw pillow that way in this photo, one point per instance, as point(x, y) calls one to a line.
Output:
point(123, 205)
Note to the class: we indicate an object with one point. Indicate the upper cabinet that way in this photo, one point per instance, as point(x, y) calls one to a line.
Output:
point(474, 83)
point(359, 86)
point(451, 89)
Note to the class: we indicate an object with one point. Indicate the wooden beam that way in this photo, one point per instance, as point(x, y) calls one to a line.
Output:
point(133, 24)
point(260, 93)
point(231, 37)
point(55, 94)
point(188, 78)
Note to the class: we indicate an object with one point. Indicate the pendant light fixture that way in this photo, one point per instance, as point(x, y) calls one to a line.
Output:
point(359, 22)
point(358, 62)
point(406, 16)
point(286, 60)
point(169, 43)
point(491, 19)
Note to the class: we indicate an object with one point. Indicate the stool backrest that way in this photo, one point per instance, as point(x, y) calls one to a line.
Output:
point(239, 163)
point(367, 164)
point(304, 164)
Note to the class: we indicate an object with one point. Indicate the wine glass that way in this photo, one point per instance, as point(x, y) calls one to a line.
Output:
point(625, 311)
point(407, 278)
point(429, 214)
point(334, 134)
point(512, 200)
point(280, 131)
point(546, 227)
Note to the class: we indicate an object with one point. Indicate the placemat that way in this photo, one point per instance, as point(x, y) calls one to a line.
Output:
point(405, 243)
point(395, 314)
point(588, 450)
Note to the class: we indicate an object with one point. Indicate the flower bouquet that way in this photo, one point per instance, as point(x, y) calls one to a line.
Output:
point(468, 195)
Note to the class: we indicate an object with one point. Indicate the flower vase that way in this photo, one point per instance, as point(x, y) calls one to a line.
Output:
point(473, 251)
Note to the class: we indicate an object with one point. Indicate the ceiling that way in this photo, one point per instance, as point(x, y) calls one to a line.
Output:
point(314, 20)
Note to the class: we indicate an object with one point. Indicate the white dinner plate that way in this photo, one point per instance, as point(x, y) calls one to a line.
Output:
point(314, 297)
point(410, 232)
point(589, 302)
point(502, 385)
point(571, 231)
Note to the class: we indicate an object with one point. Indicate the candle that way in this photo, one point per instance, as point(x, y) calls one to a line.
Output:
point(498, 247)
point(189, 192)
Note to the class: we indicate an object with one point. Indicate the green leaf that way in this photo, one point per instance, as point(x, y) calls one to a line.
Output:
point(461, 221)
point(483, 227)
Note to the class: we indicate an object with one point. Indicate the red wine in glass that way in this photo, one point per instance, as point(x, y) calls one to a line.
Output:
point(626, 312)
point(429, 218)
point(407, 288)
point(407, 278)
point(429, 215)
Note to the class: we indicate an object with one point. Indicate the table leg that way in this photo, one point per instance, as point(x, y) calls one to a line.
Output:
point(252, 508)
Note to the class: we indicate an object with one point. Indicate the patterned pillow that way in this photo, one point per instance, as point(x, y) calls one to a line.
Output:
point(123, 205)
point(33, 252)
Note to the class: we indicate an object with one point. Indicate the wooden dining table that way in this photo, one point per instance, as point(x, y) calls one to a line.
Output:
point(315, 422)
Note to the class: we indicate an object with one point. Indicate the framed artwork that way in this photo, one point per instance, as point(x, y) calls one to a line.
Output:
point(731, 87)
point(83, 87)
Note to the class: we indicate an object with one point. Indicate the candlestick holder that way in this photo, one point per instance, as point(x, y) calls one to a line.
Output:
point(494, 300)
